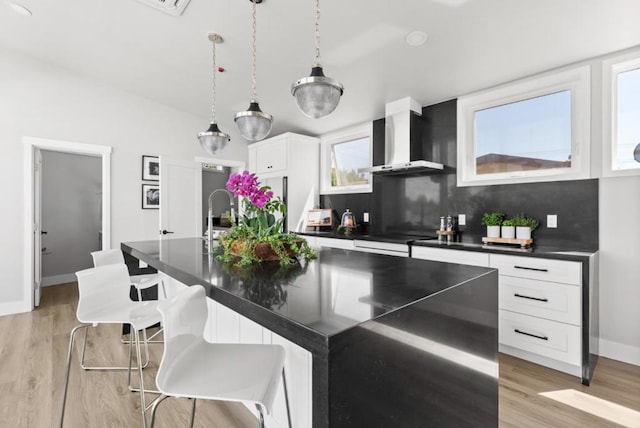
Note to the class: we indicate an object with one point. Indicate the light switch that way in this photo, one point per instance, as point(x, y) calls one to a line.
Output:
point(462, 219)
point(365, 217)
point(552, 221)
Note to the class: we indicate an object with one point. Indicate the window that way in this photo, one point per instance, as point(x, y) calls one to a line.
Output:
point(344, 153)
point(621, 124)
point(533, 130)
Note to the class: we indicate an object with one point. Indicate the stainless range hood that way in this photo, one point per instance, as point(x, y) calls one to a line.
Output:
point(403, 140)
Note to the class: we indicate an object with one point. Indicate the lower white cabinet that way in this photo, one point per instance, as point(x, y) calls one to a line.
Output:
point(551, 339)
point(345, 244)
point(540, 304)
point(450, 256)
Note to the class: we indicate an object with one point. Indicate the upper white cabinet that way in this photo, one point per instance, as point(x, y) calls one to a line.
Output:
point(272, 157)
point(290, 165)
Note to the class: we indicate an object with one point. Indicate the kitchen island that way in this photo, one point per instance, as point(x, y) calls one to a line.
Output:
point(394, 342)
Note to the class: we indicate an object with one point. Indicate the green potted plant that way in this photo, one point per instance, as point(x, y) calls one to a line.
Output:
point(508, 229)
point(524, 226)
point(258, 235)
point(493, 222)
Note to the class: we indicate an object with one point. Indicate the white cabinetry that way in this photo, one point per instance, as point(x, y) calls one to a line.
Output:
point(296, 157)
point(450, 256)
point(540, 304)
point(345, 244)
point(540, 308)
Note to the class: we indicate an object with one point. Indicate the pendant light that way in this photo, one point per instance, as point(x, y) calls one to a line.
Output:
point(317, 95)
point(213, 140)
point(254, 124)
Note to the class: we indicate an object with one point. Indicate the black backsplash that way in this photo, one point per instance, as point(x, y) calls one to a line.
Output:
point(414, 203)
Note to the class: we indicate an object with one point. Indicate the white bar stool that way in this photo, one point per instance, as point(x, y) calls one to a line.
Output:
point(140, 282)
point(194, 368)
point(104, 299)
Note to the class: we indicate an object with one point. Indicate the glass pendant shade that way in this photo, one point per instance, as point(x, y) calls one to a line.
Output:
point(213, 140)
point(317, 95)
point(254, 124)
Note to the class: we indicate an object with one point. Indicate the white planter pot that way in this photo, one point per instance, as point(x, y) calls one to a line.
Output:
point(523, 232)
point(493, 231)
point(509, 232)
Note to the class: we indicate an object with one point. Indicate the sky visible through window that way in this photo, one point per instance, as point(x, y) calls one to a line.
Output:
point(538, 128)
point(628, 125)
point(347, 157)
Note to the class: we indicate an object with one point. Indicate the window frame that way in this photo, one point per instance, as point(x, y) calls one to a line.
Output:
point(611, 68)
point(577, 80)
point(364, 130)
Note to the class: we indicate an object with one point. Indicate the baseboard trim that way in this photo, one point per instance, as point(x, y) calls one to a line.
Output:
point(619, 351)
point(11, 308)
point(58, 279)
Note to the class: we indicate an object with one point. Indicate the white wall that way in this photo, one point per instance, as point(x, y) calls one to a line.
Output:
point(39, 100)
point(620, 268)
point(71, 208)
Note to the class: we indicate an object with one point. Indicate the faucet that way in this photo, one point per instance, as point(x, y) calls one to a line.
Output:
point(210, 215)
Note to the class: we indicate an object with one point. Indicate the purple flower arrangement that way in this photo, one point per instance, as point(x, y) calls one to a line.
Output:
point(247, 185)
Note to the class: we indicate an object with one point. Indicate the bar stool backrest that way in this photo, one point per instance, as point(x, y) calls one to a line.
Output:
point(102, 286)
point(107, 257)
point(184, 317)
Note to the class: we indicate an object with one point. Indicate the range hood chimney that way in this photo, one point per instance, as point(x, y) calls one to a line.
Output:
point(403, 140)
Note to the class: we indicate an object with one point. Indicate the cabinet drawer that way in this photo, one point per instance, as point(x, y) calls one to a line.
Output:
point(553, 301)
point(272, 157)
point(450, 256)
point(345, 244)
point(551, 339)
point(534, 268)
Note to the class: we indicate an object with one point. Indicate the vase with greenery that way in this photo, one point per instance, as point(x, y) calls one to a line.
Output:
point(524, 226)
point(493, 222)
point(258, 235)
point(508, 229)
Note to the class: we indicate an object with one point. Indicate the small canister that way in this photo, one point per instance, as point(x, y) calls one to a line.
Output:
point(443, 227)
point(449, 228)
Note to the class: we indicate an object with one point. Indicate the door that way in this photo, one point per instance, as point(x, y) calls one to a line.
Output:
point(180, 198)
point(37, 228)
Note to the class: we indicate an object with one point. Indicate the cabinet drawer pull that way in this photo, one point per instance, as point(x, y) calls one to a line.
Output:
point(530, 268)
point(530, 334)
point(530, 298)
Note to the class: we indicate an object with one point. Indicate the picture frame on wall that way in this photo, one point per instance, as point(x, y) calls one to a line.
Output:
point(150, 197)
point(150, 168)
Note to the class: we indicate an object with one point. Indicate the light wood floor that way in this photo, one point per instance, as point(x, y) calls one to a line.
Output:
point(33, 349)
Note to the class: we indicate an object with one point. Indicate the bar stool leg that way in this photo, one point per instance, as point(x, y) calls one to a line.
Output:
point(68, 370)
point(143, 406)
point(193, 412)
point(286, 398)
point(154, 406)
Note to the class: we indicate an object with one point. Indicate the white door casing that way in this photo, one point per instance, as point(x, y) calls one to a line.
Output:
point(31, 146)
point(37, 226)
point(180, 198)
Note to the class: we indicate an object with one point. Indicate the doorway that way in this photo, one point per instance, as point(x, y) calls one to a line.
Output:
point(33, 231)
point(71, 215)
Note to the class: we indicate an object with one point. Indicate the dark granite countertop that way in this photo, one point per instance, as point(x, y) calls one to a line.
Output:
point(311, 301)
point(547, 252)
point(542, 251)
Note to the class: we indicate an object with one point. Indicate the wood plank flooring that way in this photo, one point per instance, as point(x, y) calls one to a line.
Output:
point(33, 350)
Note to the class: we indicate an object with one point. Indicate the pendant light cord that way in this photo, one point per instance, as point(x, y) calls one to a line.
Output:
point(317, 60)
point(213, 104)
point(254, 96)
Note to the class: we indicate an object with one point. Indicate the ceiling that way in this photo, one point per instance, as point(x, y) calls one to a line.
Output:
point(473, 44)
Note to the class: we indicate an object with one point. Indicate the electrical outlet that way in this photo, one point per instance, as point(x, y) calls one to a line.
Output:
point(365, 217)
point(142, 264)
point(462, 219)
point(552, 221)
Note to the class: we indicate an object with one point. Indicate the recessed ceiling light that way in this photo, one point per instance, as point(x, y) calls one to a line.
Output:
point(18, 8)
point(417, 38)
